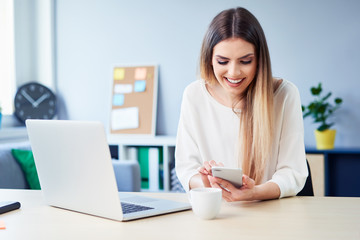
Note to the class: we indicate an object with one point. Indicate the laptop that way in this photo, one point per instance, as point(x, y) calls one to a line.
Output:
point(75, 172)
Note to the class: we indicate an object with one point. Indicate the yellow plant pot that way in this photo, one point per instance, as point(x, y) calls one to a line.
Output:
point(325, 139)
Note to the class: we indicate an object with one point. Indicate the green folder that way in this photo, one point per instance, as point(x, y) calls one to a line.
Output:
point(161, 169)
point(143, 158)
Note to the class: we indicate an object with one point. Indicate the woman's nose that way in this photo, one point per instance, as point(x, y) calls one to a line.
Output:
point(234, 70)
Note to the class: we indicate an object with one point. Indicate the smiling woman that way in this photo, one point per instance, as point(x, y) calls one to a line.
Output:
point(239, 116)
point(234, 65)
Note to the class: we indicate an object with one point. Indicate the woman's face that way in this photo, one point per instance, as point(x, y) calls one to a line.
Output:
point(234, 65)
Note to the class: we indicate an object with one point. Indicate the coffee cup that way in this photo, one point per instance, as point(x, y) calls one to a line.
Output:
point(206, 202)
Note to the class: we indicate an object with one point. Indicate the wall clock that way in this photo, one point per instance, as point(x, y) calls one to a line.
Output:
point(34, 101)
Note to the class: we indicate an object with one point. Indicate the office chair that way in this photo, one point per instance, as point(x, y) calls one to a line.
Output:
point(308, 188)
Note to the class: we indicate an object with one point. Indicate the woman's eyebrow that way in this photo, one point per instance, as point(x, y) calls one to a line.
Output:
point(225, 58)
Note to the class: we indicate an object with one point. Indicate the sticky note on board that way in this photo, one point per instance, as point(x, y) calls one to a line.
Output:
point(140, 85)
point(119, 74)
point(118, 99)
point(125, 118)
point(140, 73)
point(123, 88)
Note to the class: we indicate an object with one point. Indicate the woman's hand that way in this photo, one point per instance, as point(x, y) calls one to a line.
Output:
point(205, 171)
point(248, 191)
point(231, 193)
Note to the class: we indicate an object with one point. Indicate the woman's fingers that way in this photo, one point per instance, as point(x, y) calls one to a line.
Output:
point(229, 192)
point(223, 184)
point(205, 180)
point(209, 164)
point(212, 163)
point(248, 182)
point(206, 173)
point(207, 167)
point(202, 170)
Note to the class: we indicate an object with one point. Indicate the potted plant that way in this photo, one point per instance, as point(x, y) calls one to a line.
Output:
point(321, 110)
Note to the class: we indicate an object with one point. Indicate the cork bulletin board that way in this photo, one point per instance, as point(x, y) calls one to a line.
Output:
point(134, 100)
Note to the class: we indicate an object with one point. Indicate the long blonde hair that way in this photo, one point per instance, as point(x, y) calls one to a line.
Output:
point(256, 117)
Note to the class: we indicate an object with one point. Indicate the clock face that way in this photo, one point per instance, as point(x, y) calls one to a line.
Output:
point(34, 101)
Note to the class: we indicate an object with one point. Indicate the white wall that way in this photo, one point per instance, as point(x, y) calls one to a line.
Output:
point(34, 43)
point(310, 41)
point(34, 49)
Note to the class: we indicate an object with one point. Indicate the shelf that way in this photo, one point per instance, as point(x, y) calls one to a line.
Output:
point(341, 167)
point(166, 142)
point(142, 141)
point(13, 134)
point(334, 151)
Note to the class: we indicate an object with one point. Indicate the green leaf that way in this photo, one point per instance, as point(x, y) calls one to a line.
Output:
point(338, 100)
point(312, 106)
point(319, 119)
point(315, 91)
point(322, 108)
point(323, 127)
point(326, 97)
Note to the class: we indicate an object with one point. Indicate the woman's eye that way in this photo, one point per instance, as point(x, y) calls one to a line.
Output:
point(222, 62)
point(246, 62)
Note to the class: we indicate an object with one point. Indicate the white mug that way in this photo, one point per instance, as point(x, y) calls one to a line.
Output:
point(206, 202)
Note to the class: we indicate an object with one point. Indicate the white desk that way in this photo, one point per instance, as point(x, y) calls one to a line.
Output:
point(290, 218)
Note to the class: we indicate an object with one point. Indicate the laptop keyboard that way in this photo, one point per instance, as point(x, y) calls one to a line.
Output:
point(130, 208)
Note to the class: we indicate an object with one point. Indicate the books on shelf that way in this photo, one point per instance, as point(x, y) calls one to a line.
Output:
point(151, 168)
point(132, 153)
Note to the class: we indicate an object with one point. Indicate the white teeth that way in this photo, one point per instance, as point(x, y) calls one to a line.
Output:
point(234, 81)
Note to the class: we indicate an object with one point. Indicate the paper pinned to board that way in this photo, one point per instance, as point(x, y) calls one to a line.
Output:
point(118, 100)
point(125, 118)
point(139, 85)
point(140, 73)
point(123, 88)
point(119, 74)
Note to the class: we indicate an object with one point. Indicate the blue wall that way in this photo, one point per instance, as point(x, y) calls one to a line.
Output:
point(310, 41)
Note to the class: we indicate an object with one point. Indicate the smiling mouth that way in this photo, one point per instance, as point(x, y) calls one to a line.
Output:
point(234, 81)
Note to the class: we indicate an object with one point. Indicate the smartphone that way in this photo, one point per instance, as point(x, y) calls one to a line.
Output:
point(233, 175)
point(8, 206)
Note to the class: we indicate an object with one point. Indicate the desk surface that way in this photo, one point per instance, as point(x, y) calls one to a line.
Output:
point(289, 218)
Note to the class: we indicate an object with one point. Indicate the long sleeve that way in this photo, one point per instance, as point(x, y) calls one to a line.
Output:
point(290, 169)
point(186, 153)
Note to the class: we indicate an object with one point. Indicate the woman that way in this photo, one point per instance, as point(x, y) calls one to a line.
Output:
point(238, 115)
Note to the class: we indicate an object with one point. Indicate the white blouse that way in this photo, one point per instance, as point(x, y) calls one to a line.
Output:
point(209, 130)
